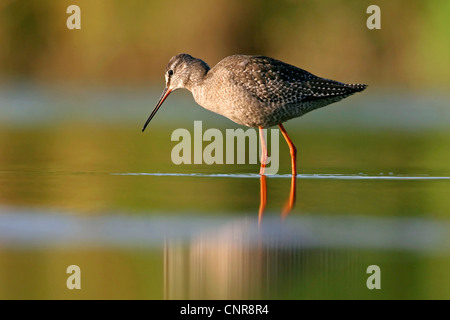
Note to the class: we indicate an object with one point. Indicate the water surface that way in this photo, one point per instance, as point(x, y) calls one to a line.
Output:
point(100, 194)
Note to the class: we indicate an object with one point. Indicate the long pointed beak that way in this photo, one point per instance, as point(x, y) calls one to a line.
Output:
point(164, 95)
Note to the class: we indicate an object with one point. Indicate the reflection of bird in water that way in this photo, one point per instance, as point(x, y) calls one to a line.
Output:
point(254, 91)
point(263, 197)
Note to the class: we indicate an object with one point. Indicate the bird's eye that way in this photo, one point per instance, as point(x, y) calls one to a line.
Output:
point(170, 72)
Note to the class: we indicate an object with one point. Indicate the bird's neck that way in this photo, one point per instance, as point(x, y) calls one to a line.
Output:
point(197, 75)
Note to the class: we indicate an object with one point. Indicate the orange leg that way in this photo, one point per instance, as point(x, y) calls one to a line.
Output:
point(263, 197)
point(292, 149)
point(291, 201)
point(263, 152)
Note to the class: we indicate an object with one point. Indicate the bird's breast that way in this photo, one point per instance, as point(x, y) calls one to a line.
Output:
point(233, 103)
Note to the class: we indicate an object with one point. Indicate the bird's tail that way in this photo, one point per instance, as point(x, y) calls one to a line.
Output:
point(357, 87)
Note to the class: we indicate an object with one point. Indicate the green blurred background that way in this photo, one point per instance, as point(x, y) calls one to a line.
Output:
point(131, 42)
point(72, 103)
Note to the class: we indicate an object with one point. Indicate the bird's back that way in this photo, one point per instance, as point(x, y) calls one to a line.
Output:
point(262, 91)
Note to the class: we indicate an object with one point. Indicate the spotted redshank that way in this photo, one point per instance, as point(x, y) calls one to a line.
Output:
point(254, 91)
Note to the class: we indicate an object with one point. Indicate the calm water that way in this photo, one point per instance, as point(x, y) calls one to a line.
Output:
point(87, 188)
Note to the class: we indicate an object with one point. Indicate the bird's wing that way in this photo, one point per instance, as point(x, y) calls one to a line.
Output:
point(273, 81)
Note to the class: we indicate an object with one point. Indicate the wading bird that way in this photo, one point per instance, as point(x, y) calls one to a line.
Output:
point(254, 91)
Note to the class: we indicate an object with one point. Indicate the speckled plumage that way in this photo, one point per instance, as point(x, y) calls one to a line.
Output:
point(255, 91)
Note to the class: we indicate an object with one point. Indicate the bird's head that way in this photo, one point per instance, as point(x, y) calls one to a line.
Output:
point(182, 71)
